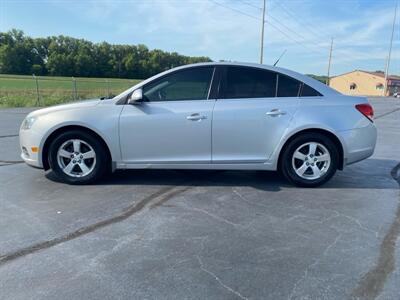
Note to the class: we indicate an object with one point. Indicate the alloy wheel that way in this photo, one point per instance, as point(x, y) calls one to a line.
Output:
point(311, 160)
point(76, 158)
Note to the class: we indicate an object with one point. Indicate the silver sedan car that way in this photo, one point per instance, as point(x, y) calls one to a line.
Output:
point(229, 116)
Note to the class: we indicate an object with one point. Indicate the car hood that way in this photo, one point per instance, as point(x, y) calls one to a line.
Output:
point(62, 107)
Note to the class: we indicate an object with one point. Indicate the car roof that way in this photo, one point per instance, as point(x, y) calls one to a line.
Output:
point(317, 85)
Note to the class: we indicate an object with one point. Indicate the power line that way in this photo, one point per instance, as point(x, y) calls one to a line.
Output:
point(302, 23)
point(294, 40)
point(271, 24)
point(251, 4)
point(235, 10)
point(294, 32)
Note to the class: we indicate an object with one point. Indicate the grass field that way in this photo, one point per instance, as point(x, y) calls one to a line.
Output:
point(21, 90)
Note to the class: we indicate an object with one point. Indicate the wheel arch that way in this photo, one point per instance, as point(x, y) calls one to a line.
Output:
point(325, 132)
point(56, 132)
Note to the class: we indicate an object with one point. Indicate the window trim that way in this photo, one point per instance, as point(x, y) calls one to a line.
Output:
point(217, 80)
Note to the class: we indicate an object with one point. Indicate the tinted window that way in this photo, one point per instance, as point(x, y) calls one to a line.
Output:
point(244, 82)
point(190, 84)
point(308, 91)
point(288, 87)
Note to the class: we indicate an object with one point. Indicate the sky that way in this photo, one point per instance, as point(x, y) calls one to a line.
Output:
point(227, 29)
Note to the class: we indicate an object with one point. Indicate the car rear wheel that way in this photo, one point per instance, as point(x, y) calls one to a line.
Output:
point(310, 160)
point(77, 157)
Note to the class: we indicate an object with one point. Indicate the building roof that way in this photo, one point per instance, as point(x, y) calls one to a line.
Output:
point(379, 74)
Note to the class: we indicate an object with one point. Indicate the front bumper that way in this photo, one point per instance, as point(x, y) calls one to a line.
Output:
point(359, 143)
point(27, 140)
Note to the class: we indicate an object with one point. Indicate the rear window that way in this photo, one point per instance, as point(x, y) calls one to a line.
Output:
point(308, 91)
point(288, 87)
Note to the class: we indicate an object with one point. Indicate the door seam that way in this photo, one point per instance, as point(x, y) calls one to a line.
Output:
point(212, 130)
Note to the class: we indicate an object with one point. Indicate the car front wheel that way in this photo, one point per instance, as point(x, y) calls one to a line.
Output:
point(310, 160)
point(76, 157)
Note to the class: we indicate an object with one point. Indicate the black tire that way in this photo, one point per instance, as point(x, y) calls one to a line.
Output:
point(100, 165)
point(286, 166)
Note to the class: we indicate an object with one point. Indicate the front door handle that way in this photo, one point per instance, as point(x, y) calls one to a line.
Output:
point(275, 113)
point(196, 117)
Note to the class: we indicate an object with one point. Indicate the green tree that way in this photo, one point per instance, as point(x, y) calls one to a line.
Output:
point(67, 56)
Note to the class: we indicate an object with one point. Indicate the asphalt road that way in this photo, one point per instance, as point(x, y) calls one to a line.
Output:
point(201, 235)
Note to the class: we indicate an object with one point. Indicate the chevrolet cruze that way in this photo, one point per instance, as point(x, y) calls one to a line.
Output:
point(228, 116)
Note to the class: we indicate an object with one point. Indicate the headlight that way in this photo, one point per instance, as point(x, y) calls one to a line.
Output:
point(28, 122)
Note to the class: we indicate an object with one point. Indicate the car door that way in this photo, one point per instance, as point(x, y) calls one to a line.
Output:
point(173, 122)
point(251, 114)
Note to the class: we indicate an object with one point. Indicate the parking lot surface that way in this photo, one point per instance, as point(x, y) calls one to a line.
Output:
point(202, 234)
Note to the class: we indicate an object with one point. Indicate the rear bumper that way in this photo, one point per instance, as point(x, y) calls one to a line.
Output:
point(359, 143)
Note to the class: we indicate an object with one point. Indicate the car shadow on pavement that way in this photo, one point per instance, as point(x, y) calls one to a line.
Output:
point(262, 180)
point(368, 174)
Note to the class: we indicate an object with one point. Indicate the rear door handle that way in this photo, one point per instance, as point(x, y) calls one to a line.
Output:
point(275, 113)
point(196, 117)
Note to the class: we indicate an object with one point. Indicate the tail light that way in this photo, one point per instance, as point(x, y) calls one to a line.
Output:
point(367, 110)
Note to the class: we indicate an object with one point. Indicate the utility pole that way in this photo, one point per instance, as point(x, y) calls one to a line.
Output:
point(329, 63)
point(37, 90)
point(262, 34)
point(390, 52)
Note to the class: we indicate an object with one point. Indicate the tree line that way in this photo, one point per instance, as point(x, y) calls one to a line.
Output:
point(67, 56)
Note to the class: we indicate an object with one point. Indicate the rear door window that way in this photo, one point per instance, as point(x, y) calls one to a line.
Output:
point(245, 82)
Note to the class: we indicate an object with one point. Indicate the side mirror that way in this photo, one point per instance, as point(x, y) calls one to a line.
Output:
point(136, 97)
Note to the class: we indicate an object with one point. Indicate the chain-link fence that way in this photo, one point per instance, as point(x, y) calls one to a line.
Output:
point(19, 91)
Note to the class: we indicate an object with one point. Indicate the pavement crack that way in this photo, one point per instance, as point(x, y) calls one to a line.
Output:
point(218, 279)
point(214, 216)
point(373, 282)
point(8, 136)
point(356, 221)
point(10, 162)
point(387, 113)
point(160, 195)
point(247, 201)
point(169, 196)
point(313, 264)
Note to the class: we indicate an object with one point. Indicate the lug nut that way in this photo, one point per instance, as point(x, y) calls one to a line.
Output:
point(74, 161)
point(307, 164)
point(81, 156)
point(315, 159)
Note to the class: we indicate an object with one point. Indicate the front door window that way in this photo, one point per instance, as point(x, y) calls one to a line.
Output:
point(189, 84)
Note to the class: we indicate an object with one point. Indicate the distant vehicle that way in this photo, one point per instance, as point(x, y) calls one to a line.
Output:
point(396, 95)
point(229, 116)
